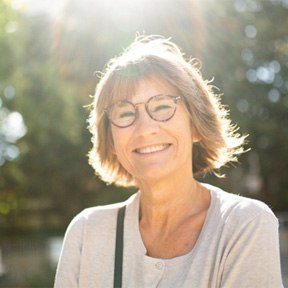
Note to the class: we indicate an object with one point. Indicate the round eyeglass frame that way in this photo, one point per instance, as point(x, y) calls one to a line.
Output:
point(175, 99)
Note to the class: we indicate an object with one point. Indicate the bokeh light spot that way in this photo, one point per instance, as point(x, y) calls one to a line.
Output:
point(9, 92)
point(243, 105)
point(12, 126)
point(250, 31)
point(274, 95)
point(251, 75)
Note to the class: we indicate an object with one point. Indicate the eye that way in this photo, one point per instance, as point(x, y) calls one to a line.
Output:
point(122, 110)
point(161, 104)
point(126, 114)
point(161, 107)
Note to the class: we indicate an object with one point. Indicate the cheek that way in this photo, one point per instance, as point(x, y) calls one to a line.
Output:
point(120, 145)
point(185, 136)
point(193, 134)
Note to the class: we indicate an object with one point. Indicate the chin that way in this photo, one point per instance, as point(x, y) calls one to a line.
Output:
point(153, 175)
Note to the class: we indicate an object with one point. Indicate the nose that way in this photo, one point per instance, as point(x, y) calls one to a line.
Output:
point(144, 124)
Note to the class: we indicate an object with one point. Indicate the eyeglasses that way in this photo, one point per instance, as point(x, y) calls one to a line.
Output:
point(159, 107)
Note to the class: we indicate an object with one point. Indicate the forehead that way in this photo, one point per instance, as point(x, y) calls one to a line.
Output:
point(142, 88)
point(152, 87)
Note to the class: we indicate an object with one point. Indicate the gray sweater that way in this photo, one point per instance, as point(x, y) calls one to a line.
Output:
point(237, 247)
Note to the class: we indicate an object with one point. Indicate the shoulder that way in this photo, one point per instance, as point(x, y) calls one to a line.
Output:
point(238, 208)
point(239, 220)
point(100, 214)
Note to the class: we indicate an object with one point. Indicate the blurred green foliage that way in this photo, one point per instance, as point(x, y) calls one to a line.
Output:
point(48, 65)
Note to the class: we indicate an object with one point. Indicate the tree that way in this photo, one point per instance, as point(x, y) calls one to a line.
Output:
point(247, 58)
point(12, 126)
point(53, 76)
point(53, 163)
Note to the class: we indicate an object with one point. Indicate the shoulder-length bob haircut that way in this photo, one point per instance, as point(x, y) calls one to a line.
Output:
point(154, 57)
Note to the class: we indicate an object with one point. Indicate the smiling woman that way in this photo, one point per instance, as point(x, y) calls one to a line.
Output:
point(156, 124)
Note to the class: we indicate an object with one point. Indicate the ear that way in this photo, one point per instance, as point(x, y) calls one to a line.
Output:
point(196, 139)
point(195, 136)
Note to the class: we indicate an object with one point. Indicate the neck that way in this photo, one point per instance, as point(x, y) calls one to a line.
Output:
point(165, 204)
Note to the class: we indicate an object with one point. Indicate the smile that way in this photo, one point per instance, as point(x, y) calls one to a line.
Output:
point(152, 149)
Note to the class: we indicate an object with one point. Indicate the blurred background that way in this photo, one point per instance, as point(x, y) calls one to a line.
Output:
point(49, 52)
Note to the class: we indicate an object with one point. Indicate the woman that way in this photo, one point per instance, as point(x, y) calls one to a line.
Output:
point(156, 124)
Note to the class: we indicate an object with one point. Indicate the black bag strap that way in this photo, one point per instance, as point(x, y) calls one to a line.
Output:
point(119, 248)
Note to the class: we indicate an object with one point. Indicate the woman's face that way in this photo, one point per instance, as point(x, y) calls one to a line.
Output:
point(150, 150)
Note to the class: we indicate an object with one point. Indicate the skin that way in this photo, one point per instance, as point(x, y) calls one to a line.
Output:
point(173, 205)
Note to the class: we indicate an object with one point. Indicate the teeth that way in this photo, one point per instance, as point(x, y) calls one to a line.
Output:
point(152, 149)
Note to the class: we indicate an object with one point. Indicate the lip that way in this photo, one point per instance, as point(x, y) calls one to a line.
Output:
point(152, 149)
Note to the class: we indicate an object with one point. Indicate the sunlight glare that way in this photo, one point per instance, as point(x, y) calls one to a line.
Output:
point(34, 7)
